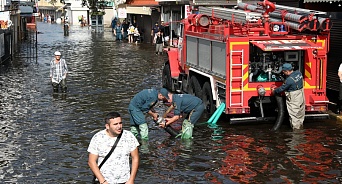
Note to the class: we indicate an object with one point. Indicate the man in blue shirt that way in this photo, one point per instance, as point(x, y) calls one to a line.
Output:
point(295, 98)
point(183, 103)
point(142, 103)
point(118, 30)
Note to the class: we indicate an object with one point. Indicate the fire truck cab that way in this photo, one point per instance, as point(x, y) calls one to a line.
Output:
point(234, 56)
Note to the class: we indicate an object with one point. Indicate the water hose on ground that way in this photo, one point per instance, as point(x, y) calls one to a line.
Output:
point(281, 112)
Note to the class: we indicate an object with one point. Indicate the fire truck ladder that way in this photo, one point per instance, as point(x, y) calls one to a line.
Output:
point(236, 76)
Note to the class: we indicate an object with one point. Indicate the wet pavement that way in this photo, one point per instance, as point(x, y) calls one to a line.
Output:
point(44, 136)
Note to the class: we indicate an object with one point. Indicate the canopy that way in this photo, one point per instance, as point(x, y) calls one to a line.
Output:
point(277, 45)
point(140, 10)
point(26, 11)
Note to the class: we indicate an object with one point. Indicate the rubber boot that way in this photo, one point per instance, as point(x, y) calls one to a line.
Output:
point(134, 130)
point(187, 129)
point(64, 90)
point(339, 107)
point(55, 90)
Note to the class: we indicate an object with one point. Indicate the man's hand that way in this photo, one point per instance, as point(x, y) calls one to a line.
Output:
point(155, 116)
point(273, 87)
point(163, 124)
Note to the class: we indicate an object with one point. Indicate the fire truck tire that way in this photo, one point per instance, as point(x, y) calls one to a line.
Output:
point(195, 87)
point(207, 98)
point(281, 113)
point(166, 77)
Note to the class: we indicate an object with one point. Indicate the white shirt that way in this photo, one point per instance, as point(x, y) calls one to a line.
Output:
point(340, 68)
point(116, 169)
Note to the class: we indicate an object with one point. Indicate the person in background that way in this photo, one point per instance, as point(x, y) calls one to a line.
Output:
point(58, 72)
point(125, 26)
point(117, 168)
point(295, 98)
point(339, 102)
point(82, 21)
point(143, 102)
point(183, 103)
point(159, 41)
point(136, 35)
point(118, 30)
point(154, 31)
point(130, 33)
point(113, 24)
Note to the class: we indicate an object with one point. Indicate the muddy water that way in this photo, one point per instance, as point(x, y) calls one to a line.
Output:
point(44, 136)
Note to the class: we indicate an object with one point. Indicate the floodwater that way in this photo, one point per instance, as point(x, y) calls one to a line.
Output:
point(44, 136)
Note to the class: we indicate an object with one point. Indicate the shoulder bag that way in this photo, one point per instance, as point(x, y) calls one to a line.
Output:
point(107, 156)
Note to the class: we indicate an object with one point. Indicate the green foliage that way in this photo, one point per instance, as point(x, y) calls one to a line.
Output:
point(53, 2)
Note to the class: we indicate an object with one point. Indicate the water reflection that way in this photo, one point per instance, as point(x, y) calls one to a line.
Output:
point(44, 136)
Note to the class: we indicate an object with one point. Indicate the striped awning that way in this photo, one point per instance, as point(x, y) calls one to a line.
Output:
point(321, 1)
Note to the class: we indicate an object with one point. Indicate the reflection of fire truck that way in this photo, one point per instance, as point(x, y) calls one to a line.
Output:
point(234, 56)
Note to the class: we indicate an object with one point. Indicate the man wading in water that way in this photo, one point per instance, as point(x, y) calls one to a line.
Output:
point(58, 72)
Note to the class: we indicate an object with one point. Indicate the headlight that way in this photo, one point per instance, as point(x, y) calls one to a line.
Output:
point(276, 28)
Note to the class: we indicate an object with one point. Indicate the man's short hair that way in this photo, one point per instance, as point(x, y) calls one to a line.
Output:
point(111, 115)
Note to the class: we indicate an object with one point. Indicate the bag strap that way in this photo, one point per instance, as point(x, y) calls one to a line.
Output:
point(109, 153)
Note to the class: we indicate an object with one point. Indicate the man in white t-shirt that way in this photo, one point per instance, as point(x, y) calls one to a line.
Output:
point(339, 102)
point(117, 168)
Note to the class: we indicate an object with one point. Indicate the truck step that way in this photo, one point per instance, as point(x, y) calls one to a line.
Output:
point(316, 116)
point(250, 120)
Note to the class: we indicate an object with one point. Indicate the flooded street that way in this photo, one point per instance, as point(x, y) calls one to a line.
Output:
point(44, 136)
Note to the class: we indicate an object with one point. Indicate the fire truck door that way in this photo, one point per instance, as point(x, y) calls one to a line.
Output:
point(180, 44)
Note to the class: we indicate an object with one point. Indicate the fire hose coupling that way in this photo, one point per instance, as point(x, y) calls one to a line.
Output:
point(160, 120)
point(261, 90)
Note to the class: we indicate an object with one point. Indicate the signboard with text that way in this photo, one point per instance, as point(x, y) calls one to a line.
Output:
point(122, 13)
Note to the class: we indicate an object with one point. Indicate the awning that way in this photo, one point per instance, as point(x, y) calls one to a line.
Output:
point(140, 10)
point(321, 1)
point(26, 11)
point(277, 45)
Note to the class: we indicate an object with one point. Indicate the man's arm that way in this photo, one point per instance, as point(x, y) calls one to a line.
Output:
point(153, 114)
point(172, 120)
point(340, 75)
point(94, 167)
point(135, 165)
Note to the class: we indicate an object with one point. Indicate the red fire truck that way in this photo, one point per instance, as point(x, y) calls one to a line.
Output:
point(234, 56)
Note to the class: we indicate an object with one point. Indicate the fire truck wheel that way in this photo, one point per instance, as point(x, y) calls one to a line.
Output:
point(207, 98)
point(166, 77)
point(195, 87)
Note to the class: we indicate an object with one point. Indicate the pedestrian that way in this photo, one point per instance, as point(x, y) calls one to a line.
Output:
point(339, 102)
point(118, 30)
point(58, 72)
point(159, 41)
point(117, 168)
point(142, 103)
point(154, 31)
point(136, 35)
point(125, 26)
point(130, 33)
point(295, 98)
point(113, 24)
point(191, 105)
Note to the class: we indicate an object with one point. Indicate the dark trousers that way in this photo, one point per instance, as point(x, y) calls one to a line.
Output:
point(195, 114)
point(62, 84)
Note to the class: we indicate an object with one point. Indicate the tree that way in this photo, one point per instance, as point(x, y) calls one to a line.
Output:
point(53, 2)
